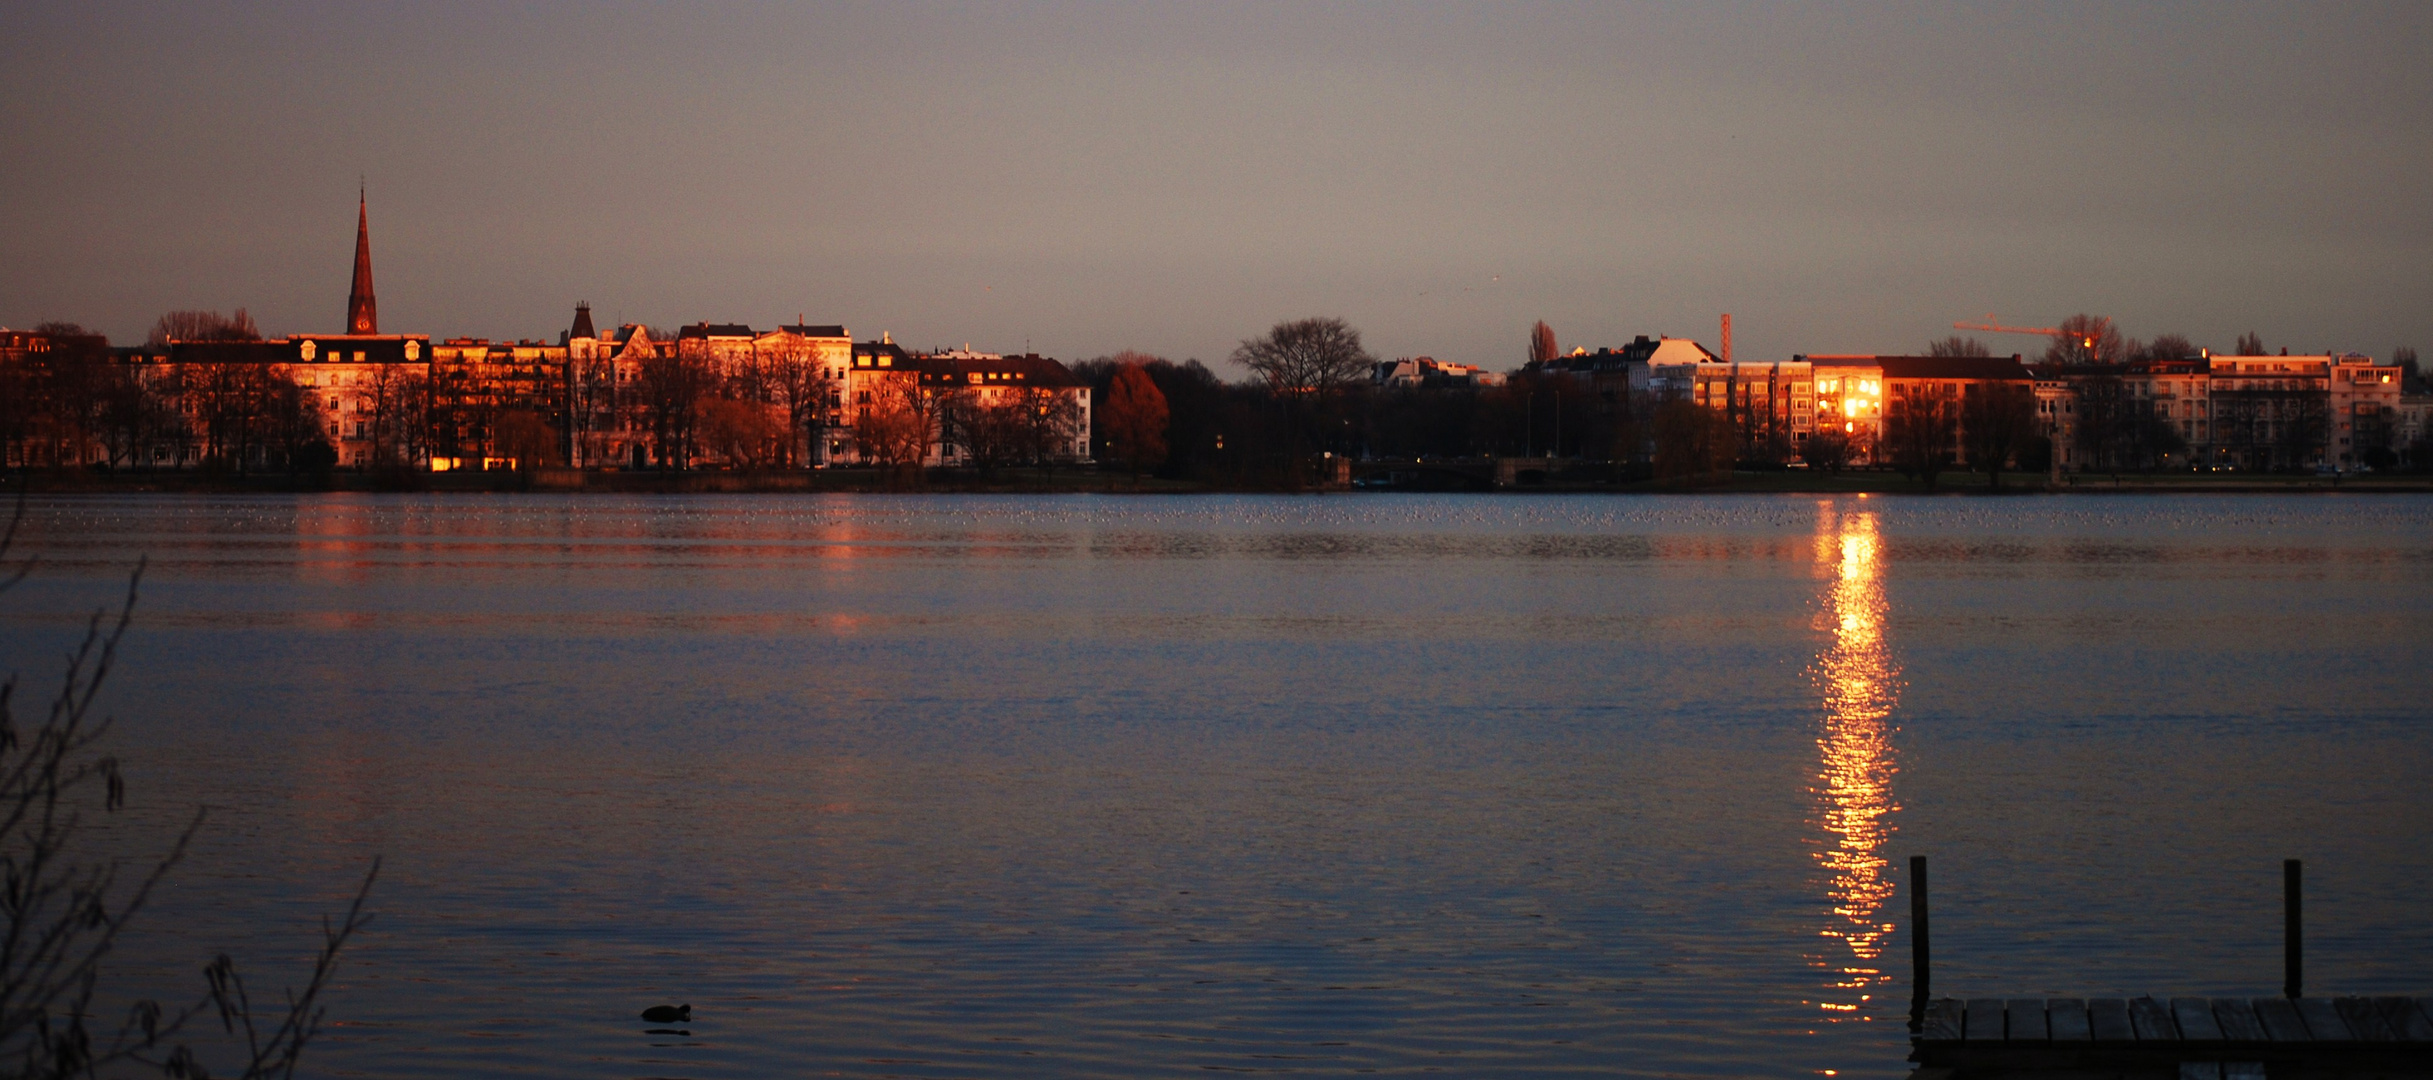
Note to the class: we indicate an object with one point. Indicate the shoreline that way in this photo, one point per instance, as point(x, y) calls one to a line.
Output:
point(1069, 482)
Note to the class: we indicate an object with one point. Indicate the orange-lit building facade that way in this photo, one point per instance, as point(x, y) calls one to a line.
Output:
point(957, 407)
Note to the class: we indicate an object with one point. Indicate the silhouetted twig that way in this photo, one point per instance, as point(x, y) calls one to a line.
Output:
point(61, 911)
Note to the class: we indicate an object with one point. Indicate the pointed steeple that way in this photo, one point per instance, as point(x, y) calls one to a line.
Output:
point(362, 315)
point(582, 322)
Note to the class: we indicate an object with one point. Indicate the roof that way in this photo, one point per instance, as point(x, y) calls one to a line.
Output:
point(1030, 369)
point(806, 330)
point(889, 349)
point(306, 348)
point(582, 323)
point(1995, 368)
point(710, 330)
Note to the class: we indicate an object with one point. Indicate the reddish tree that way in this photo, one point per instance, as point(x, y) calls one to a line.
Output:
point(1136, 417)
point(1541, 342)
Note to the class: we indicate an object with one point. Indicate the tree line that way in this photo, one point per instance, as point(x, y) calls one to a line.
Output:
point(1309, 394)
point(1309, 397)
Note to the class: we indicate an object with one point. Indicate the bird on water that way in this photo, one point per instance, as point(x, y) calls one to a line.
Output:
point(668, 1014)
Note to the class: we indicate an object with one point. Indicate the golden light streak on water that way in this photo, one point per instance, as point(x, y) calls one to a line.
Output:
point(1858, 685)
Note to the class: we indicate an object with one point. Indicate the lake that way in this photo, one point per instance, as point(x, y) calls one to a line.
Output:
point(1135, 786)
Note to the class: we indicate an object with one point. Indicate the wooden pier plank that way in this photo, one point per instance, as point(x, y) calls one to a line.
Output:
point(2152, 1020)
point(2323, 1020)
point(2238, 1020)
point(2067, 1017)
point(1943, 1020)
point(2026, 1020)
point(2108, 1020)
point(2281, 1023)
point(1984, 1020)
point(2407, 1024)
point(2363, 1019)
point(2195, 1016)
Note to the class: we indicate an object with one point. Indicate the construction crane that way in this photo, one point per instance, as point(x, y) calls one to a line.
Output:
point(1991, 326)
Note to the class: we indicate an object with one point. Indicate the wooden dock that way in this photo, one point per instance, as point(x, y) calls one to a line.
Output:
point(2213, 1038)
point(2187, 1038)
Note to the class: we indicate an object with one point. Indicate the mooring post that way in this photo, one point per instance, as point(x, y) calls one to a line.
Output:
point(1918, 957)
point(2293, 944)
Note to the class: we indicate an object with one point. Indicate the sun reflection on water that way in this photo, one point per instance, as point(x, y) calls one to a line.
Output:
point(1858, 686)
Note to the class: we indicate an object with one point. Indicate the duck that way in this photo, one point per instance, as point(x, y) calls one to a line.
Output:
point(668, 1014)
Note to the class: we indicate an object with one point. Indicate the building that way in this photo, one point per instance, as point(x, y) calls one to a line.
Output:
point(1625, 383)
point(1849, 397)
point(2365, 399)
point(711, 394)
point(958, 408)
point(2284, 412)
point(1875, 400)
point(2413, 430)
point(2057, 419)
point(1772, 406)
point(264, 404)
point(40, 423)
point(2270, 412)
point(497, 405)
point(1429, 373)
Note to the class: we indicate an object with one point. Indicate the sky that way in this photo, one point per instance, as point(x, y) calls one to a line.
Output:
point(1078, 179)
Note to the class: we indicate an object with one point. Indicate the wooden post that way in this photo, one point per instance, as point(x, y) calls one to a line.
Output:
point(2293, 950)
point(1918, 956)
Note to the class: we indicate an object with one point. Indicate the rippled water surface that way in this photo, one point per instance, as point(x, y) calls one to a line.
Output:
point(1154, 786)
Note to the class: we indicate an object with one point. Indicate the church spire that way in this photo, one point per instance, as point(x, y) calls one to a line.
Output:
point(362, 315)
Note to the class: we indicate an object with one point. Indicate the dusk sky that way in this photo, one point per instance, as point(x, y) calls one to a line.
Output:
point(1082, 179)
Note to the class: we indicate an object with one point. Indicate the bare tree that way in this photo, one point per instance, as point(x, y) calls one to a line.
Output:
point(892, 429)
point(2300, 426)
point(2085, 339)
point(797, 381)
point(1541, 343)
point(1307, 365)
point(234, 403)
point(527, 438)
point(134, 416)
point(2167, 347)
point(742, 432)
point(1051, 421)
point(2250, 344)
point(2107, 421)
point(396, 403)
point(668, 390)
point(987, 426)
point(1307, 357)
point(202, 326)
point(1957, 345)
point(1920, 426)
point(1828, 450)
point(294, 427)
point(1693, 442)
point(1997, 420)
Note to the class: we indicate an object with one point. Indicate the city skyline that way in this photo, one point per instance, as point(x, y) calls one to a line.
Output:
point(1081, 181)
